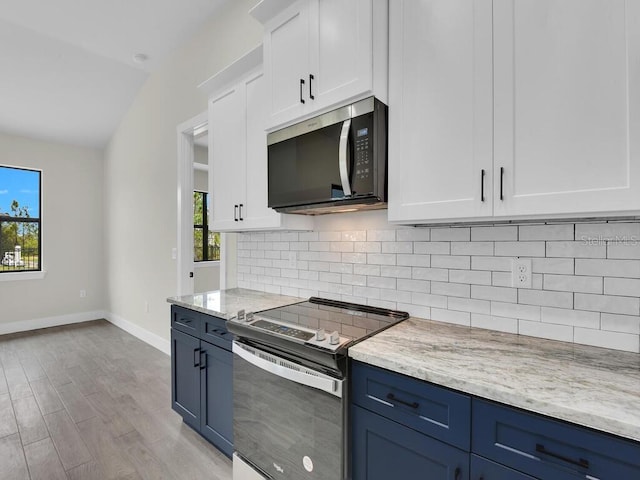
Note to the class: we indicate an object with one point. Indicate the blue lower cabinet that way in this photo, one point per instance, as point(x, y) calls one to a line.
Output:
point(383, 450)
point(185, 377)
point(202, 375)
point(483, 469)
point(216, 421)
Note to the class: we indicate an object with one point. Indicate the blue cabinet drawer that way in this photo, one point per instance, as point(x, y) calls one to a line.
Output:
point(385, 450)
point(550, 449)
point(483, 469)
point(185, 320)
point(429, 409)
point(214, 330)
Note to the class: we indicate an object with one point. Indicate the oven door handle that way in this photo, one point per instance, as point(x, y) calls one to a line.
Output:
point(285, 369)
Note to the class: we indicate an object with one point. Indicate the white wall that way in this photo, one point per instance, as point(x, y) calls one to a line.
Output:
point(141, 169)
point(72, 236)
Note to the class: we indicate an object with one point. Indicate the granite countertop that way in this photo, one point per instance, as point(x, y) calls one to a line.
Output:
point(226, 303)
point(589, 386)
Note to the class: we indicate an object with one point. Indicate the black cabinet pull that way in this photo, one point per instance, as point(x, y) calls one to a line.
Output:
point(301, 86)
point(240, 215)
point(393, 398)
point(311, 77)
point(457, 473)
point(196, 360)
point(482, 185)
point(581, 462)
point(203, 363)
point(501, 183)
point(235, 213)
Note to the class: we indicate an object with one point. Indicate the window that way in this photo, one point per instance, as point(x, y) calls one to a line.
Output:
point(205, 242)
point(20, 223)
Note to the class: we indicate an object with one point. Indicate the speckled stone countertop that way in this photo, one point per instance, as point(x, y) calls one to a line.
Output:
point(589, 386)
point(226, 303)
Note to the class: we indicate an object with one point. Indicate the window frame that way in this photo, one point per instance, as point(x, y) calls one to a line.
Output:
point(29, 274)
point(204, 226)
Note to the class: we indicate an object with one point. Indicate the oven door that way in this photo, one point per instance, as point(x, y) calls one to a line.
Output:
point(288, 419)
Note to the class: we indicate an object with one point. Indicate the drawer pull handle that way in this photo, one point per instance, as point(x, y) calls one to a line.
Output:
point(581, 462)
point(393, 398)
point(456, 476)
point(196, 357)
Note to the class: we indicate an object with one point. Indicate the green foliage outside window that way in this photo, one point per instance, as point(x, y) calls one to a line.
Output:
point(206, 245)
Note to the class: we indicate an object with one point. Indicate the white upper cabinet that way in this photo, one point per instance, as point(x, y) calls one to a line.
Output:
point(567, 106)
point(440, 114)
point(321, 53)
point(541, 95)
point(238, 153)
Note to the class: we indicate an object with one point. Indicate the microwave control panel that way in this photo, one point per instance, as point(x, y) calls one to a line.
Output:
point(362, 176)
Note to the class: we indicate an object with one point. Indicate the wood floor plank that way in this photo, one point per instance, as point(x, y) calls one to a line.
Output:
point(12, 463)
point(82, 380)
point(146, 463)
point(87, 471)
point(4, 388)
point(30, 422)
point(106, 407)
point(32, 368)
point(77, 406)
point(55, 373)
point(43, 461)
point(70, 446)
point(46, 396)
point(17, 381)
point(8, 425)
point(111, 458)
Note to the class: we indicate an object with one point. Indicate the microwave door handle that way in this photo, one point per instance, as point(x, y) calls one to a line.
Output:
point(342, 157)
point(315, 380)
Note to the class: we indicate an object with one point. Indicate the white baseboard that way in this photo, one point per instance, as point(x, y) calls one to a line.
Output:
point(143, 334)
point(26, 325)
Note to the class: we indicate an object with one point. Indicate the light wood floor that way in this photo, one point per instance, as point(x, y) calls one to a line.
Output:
point(90, 401)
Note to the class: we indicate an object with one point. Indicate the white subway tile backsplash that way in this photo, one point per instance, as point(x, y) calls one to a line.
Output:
point(576, 318)
point(585, 277)
point(622, 286)
point(572, 283)
point(520, 249)
point(480, 234)
point(599, 338)
point(620, 323)
point(451, 234)
point(472, 248)
point(608, 268)
point(608, 303)
point(545, 232)
point(575, 250)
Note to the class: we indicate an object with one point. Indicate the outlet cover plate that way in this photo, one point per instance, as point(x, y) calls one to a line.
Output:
point(521, 272)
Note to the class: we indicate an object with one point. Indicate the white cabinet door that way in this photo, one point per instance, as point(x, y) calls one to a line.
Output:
point(567, 106)
point(227, 158)
point(440, 114)
point(286, 63)
point(341, 55)
point(257, 214)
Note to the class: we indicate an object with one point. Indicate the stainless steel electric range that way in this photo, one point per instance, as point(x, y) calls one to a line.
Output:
point(290, 387)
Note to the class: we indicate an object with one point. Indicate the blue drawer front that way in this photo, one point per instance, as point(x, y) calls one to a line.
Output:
point(429, 409)
point(214, 330)
point(185, 320)
point(550, 449)
point(481, 468)
point(385, 450)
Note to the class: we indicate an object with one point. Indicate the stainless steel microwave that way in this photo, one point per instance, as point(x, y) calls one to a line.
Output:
point(336, 162)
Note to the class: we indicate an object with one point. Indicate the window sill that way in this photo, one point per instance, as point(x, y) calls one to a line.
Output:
point(211, 263)
point(15, 276)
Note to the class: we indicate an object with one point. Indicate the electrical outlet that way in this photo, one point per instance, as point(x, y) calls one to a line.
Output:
point(83, 293)
point(521, 272)
point(293, 260)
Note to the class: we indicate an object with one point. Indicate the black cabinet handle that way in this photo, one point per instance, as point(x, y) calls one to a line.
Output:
point(235, 212)
point(501, 183)
point(203, 363)
point(196, 360)
point(457, 473)
point(311, 77)
point(240, 210)
point(581, 462)
point(393, 398)
point(301, 86)
point(482, 173)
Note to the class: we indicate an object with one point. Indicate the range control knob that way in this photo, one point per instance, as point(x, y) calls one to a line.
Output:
point(334, 338)
point(320, 335)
